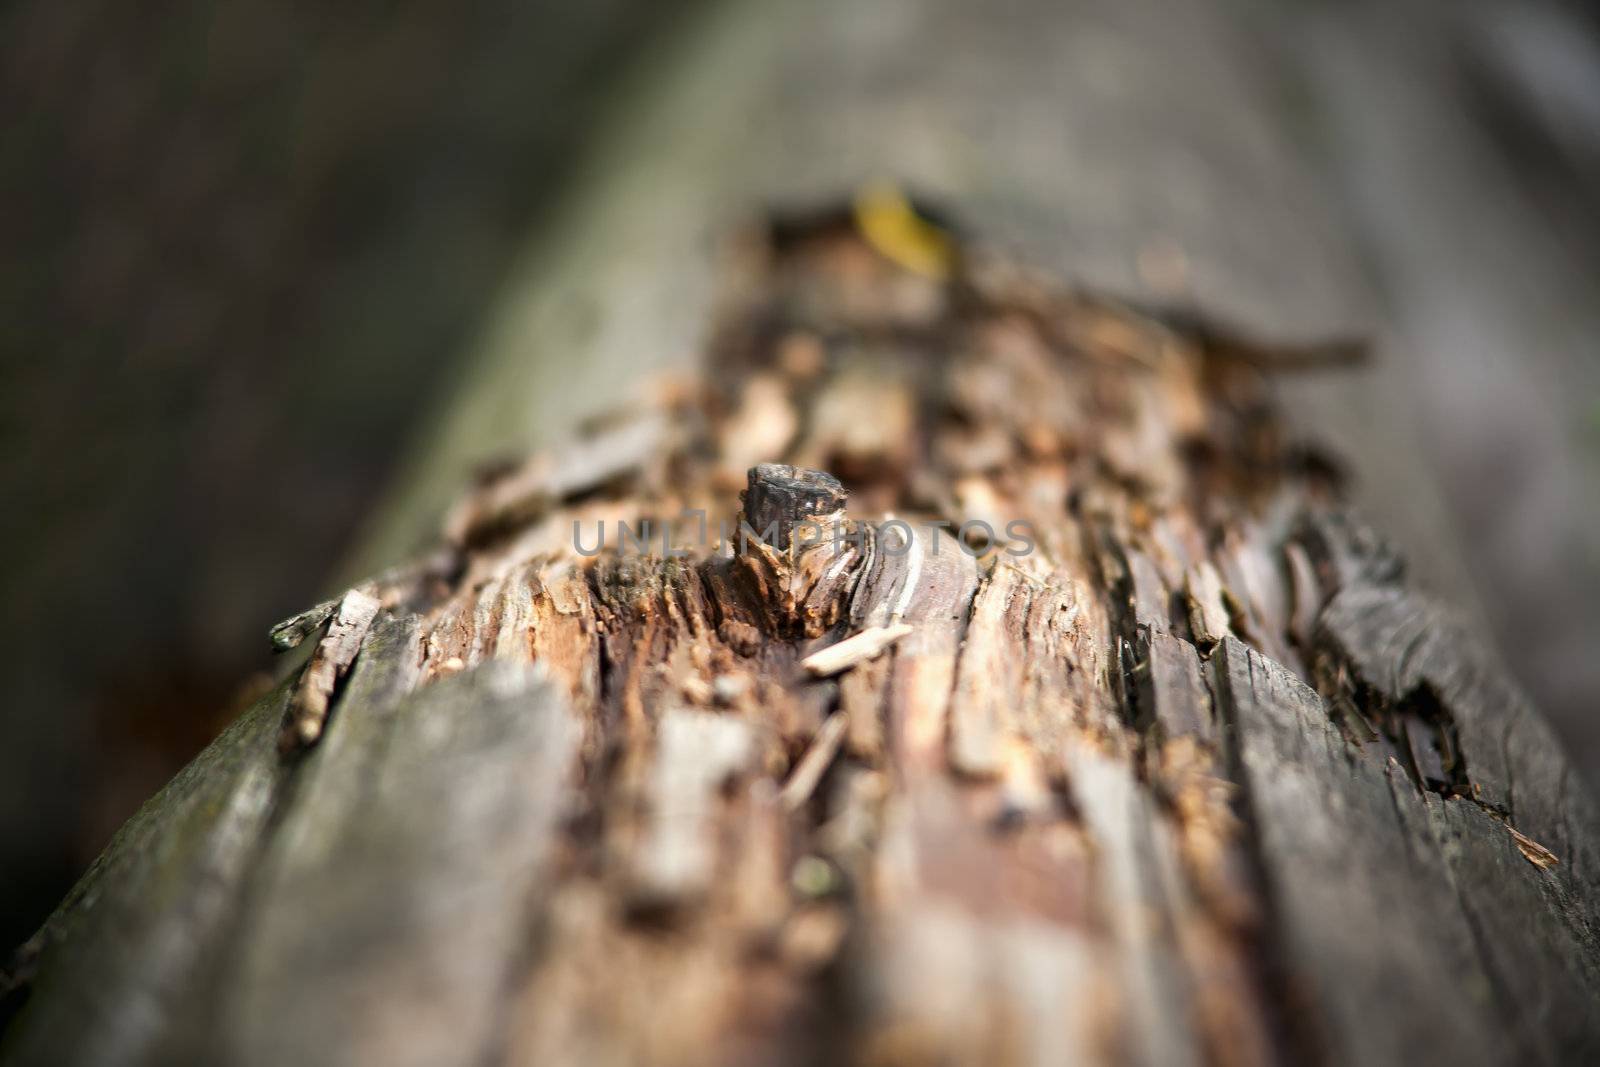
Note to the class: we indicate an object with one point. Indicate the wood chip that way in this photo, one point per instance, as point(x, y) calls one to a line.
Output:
point(1532, 851)
point(858, 648)
point(1208, 614)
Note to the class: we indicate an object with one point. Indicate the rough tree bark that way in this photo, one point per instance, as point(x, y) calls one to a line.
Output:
point(1198, 777)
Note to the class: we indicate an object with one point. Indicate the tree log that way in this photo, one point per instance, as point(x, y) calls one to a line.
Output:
point(1133, 745)
point(1183, 769)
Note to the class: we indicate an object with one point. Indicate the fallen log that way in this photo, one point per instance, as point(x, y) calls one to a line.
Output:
point(1129, 741)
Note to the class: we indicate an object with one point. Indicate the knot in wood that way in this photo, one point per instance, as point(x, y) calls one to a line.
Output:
point(781, 497)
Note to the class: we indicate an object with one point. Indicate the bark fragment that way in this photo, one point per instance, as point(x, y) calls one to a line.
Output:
point(308, 710)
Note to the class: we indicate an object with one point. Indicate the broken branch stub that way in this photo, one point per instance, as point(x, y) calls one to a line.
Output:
point(781, 498)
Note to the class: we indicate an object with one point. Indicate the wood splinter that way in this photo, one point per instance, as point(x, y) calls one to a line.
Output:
point(858, 648)
point(1532, 851)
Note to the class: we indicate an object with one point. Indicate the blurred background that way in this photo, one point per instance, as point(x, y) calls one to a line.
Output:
point(250, 250)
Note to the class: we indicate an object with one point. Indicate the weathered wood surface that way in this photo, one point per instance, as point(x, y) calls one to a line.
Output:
point(1198, 778)
point(1133, 147)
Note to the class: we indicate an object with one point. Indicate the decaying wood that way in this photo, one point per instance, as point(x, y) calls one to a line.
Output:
point(1170, 766)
